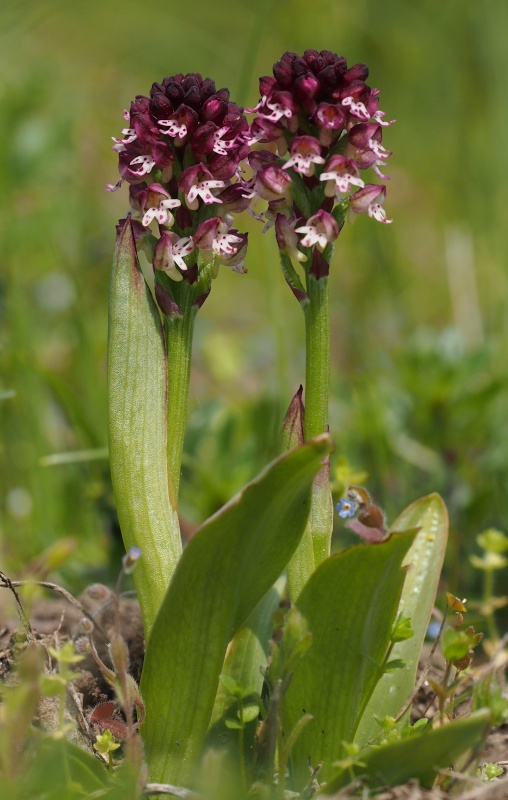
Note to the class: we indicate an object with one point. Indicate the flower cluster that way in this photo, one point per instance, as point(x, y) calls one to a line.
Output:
point(180, 153)
point(321, 125)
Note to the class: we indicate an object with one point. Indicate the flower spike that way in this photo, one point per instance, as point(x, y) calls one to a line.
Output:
point(329, 120)
point(181, 149)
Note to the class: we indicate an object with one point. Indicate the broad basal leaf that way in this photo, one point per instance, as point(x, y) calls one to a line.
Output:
point(424, 562)
point(350, 604)
point(418, 756)
point(224, 572)
point(138, 428)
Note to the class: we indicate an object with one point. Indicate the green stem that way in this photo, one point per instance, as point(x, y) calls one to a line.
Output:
point(243, 776)
point(179, 331)
point(317, 365)
point(317, 390)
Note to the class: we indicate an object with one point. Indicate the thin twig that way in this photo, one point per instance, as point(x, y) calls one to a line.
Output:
point(421, 680)
point(8, 584)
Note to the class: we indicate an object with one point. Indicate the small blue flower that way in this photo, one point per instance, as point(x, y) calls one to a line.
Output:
point(346, 508)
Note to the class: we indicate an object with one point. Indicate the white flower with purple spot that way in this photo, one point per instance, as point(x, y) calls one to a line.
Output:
point(146, 165)
point(357, 109)
point(321, 229)
point(305, 154)
point(173, 128)
point(161, 213)
point(202, 190)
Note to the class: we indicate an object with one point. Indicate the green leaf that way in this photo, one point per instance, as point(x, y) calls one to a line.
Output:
point(402, 629)
point(301, 194)
point(416, 757)
point(233, 688)
point(424, 560)
point(293, 279)
point(249, 713)
point(233, 724)
point(350, 603)
point(455, 644)
point(225, 571)
point(394, 664)
point(243, 668)
point(138, 428)
point(61, 769)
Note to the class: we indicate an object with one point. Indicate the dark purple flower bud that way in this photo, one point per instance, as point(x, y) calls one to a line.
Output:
point(235, 198)
point(214, 110)
point(266, 84)
point(224, 167)
point(359, 72)
point(283, 69)
point(144, 126)
point(307, 87)
point(272, 183)
point(262, 158)
point(161, 105)
point(203, 139)
point(163, 157)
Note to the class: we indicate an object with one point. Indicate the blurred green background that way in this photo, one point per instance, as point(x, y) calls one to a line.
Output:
point(419, 327)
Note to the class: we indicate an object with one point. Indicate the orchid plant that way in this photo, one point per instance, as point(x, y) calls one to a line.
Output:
point(295, 710)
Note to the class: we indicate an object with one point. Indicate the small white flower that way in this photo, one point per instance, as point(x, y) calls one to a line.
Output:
point(202, 190)
point(377, 212)
point(182, 248)
point(147, 164)
point(170, 127)
point(161, 213)
point(378, 116)
point(357, 109)
point(220, 145)
point(130, 136)
point(225, 243)
point(312, 236)
point(303, 164)
point(340, 183)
